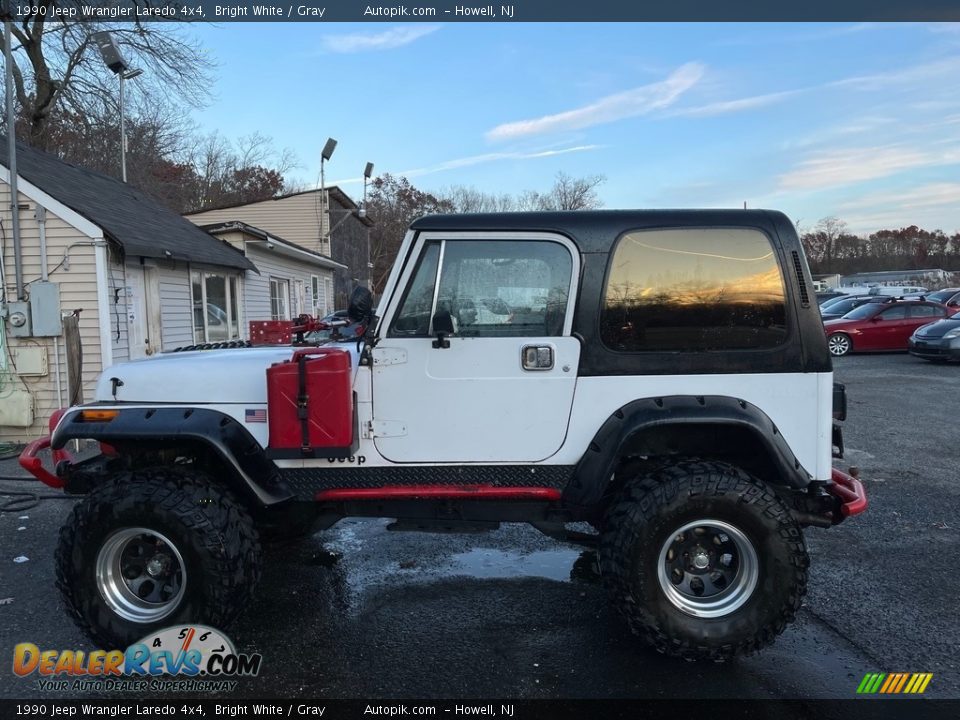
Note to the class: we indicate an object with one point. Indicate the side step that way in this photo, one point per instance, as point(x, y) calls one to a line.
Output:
point(439, 492)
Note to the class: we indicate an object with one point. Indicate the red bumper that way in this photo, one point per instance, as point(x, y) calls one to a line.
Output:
point(853, 498)
point(34, 465)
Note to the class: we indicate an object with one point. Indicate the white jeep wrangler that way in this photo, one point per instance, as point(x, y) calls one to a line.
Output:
point(661, 375)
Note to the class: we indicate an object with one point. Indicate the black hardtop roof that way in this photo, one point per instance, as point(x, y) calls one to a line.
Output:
point(594, 230)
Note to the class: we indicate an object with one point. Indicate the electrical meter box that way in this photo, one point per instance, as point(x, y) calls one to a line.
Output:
point(45, 309)
point(18, 319)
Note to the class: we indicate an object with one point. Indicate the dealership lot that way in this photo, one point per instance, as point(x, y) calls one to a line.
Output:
point(359, 612)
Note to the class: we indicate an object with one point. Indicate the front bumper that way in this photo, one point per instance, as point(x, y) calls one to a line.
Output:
point(33, 464)
point(935, 348)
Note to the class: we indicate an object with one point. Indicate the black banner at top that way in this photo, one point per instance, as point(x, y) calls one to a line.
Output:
point(481, 11)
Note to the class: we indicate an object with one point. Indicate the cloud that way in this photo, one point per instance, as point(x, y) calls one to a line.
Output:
point(731, 106)
point(947, 68)
point(911, 75)
point(479, 160)
point(372, 41)
point(924, 196)
point(630, 103)
point(830, 168)
point(825, 33)
point(896, 218)
point(949, 28)
point(494, 157)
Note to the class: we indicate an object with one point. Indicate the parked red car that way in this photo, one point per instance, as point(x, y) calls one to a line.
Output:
point(881, 326)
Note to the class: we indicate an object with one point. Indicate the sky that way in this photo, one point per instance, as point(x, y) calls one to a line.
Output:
point(857, 121)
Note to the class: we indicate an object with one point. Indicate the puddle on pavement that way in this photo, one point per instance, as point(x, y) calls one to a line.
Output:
point(562, 565)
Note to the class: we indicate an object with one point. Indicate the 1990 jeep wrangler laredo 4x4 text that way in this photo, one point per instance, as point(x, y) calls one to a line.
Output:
point(661, 375)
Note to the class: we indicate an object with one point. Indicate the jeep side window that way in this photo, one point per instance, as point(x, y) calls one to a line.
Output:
point(693, 289)
point(505, 288)
point(413, 318)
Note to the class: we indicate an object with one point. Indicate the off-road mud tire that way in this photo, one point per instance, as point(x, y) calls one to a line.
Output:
point(650, 508)
point(210, 528)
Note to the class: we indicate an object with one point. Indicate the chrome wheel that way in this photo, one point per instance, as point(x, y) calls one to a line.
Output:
point(839, 345)
point(708, 568)
point(140, 574)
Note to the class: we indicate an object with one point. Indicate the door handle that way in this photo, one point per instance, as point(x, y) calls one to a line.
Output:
point(537, 357)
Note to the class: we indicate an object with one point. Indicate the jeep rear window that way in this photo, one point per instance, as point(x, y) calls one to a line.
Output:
point(693, 289)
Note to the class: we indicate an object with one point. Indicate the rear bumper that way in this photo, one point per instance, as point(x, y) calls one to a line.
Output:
point(850, 492)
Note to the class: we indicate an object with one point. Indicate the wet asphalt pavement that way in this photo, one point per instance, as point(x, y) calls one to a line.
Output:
point(360, 612)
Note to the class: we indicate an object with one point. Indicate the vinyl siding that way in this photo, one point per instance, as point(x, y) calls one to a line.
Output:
point(77, 279)
point(176, 316)
point(118, 310)
point(296, 219)
point(256, 288)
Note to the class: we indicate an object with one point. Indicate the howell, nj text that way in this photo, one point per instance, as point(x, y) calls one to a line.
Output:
point(485, 710)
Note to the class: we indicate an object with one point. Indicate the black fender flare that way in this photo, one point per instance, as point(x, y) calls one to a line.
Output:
point(596, 467)
point(165, 426)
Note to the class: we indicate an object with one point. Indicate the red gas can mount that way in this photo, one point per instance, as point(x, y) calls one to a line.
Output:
point(310, 405)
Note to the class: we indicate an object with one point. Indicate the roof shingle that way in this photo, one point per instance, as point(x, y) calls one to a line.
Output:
point(141, 225)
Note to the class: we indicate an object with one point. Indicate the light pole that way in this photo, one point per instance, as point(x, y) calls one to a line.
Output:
point(325, 155)
point(113, 59)
point(123, 125)
point(367, 172)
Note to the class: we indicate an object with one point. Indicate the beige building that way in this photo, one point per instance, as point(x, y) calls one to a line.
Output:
point(127, 268)
point(289, 279)
point(324, 223)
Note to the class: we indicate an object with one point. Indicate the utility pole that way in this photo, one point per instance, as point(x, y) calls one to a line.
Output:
point(12, 162)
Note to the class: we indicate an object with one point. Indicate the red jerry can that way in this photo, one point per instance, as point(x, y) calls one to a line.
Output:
point(310, 402)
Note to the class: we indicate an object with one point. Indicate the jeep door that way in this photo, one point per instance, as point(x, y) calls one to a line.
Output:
point(476, 361)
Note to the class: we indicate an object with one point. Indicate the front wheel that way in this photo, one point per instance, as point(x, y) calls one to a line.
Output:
point(839, 344)
point(703, 561)
point(155, 548)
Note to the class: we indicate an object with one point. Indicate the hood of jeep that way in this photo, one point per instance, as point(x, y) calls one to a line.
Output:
point(196, 377)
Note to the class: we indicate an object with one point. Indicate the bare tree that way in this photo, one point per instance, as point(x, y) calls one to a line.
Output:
point(56, 64)
point(567, 193)
point(393, 204)
point(169, 159)
point(229, 173)
point(827, 231)
point(465, 199)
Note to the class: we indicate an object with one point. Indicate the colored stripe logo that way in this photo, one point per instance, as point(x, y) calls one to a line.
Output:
point(894, 683)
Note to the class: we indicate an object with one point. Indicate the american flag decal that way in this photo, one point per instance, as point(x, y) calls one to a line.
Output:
point(255, 415)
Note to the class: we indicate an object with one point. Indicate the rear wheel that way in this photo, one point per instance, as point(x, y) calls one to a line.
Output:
point(154, 548)
point(839, 344)
point(703, 561)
